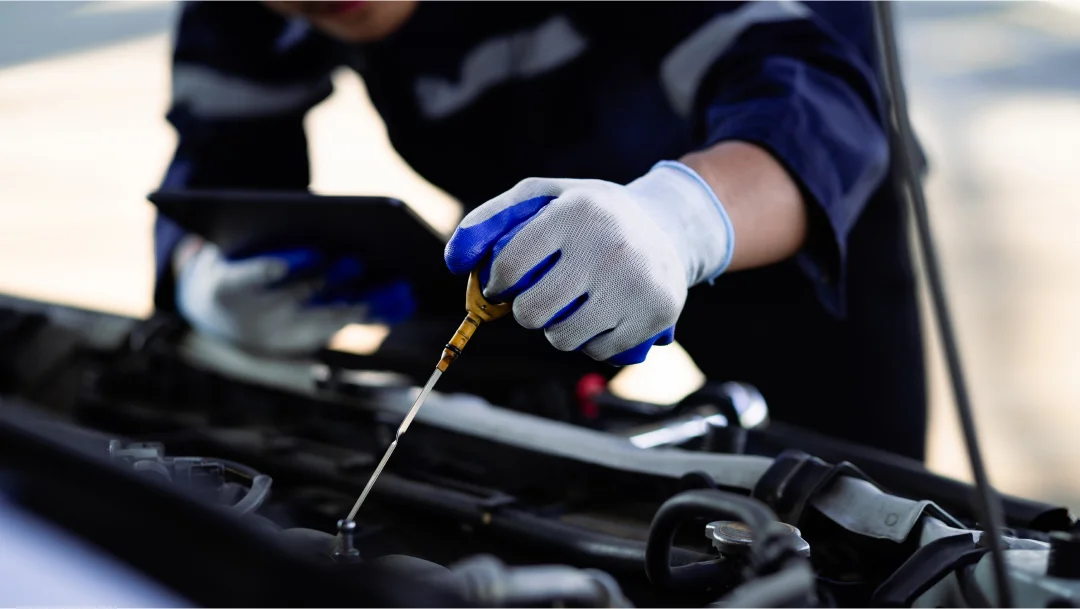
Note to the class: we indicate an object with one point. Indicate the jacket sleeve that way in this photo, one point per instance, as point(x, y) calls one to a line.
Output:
point(796, 79)
point(243, 79)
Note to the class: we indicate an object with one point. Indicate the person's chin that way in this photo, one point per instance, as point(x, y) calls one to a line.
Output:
point(347, 7)
point(363, 21)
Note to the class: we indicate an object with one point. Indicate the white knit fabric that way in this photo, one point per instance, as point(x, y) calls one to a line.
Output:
point(231, 301)
point(635, 250)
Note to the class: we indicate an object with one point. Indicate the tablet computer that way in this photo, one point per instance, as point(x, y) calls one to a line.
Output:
point(391, 238)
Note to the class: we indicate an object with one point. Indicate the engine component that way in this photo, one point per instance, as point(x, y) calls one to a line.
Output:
point(412, 566)
point(212, 559)
point(725, 438)
point(346, 550)
point(675, 432)
point(741, 403)
point(357, 383)
point(927, 566)
point(773, 548)
point(485, 581)
point(1064, 555)
point(528, 490)
point(972, 583)
point(718, 413)
point(734, 539)
point(796, 478)
point(208, 479)
point(308, 543)
point(792, 586)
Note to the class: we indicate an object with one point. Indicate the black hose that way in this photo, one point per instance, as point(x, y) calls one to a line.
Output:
point(988, 505)
point(769, 545)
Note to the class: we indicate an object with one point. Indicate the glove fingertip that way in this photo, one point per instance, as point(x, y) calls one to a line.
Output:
point(469, 244)
point(634, 355)
point(666, 337)
point(637, 355)
point(463, 253)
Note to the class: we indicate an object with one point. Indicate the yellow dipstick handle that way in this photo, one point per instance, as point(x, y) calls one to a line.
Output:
point(477, 309)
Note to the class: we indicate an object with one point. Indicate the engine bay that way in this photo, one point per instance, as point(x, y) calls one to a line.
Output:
point(223, 479)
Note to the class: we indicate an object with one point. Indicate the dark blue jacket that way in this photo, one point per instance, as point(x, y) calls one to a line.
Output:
point(477, 96)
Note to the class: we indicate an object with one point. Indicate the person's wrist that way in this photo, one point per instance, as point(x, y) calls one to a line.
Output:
point(184, 251)
point(683, 205)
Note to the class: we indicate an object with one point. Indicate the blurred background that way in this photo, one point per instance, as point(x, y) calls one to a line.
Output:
point(995, 94)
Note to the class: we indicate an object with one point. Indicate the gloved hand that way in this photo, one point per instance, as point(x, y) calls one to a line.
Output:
point(290, 302)
point(601, 267)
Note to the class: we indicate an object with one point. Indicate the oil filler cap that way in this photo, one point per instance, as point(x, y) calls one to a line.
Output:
point(733, 538)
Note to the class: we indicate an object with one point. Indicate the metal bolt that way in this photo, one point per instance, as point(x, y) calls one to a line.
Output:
point(347, 551)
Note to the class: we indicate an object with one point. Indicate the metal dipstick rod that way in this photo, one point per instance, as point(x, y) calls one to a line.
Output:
point(477, 310)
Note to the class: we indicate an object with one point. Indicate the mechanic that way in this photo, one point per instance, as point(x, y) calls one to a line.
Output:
point(720, 165)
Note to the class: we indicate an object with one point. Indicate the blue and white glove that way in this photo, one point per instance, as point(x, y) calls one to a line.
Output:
point(287, 303)
point(602, 268)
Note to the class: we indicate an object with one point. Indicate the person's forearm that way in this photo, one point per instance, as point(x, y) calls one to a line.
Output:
point(765, 205)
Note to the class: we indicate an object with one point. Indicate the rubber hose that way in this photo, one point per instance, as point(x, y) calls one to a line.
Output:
point(239, 468)
point(716, 505)
point(256, 495)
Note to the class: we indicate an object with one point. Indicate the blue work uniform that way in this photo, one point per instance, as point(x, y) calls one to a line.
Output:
point(477, 96)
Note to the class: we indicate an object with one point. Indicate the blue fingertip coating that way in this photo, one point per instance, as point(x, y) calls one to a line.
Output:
point(392, 303)
point(636, 355)
point(341, 283)
point(344, 271)
point(470, 244)
point(665, 338)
